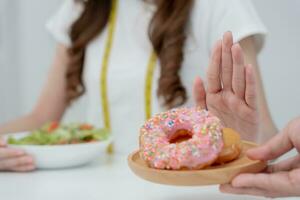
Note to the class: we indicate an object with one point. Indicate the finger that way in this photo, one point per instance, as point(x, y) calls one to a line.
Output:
point(24, 168)
point(8, 164)
point(276, 182)
point(199, 93)
point(227, 188)
point(260, 180)
point(10, 153)
point(250, 93)
point(285, 165)
point(213, 71)
point(238, 77)
point(272, 149)
point(227, 60)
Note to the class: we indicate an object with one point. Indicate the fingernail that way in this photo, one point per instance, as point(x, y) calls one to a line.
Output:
point(236, 45)
point(224, 187)
point(32, 168)
point(28, 160)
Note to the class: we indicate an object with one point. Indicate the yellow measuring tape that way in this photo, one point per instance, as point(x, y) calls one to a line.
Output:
point(103, 76)
point(148, 84)
point(105, 60)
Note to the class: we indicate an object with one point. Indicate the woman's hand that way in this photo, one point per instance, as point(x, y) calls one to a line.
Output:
point(231, 90)
point(14, 159)
point(281, 179)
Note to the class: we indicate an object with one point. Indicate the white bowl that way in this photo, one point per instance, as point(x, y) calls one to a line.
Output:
point(62, 156)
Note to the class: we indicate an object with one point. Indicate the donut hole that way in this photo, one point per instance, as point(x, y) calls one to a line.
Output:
point(180, 136)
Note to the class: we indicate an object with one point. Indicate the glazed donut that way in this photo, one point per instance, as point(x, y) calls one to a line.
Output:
point(182, 138)
point(232, 146)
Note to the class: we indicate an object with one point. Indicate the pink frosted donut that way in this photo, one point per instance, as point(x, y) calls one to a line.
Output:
point(158, 146)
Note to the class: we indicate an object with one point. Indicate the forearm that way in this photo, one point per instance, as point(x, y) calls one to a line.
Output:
point(52, 102)
point(39, 116)
point(267, 127)
point(27, 122)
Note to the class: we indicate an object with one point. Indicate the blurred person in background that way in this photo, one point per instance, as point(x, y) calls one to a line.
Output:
point(133, 59)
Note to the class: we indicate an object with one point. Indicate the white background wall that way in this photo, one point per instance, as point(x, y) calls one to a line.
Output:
point(280, 59)
point(9, 81)
point(26, 51)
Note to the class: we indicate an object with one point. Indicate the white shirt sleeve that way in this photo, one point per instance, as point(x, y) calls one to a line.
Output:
point(60, 23)
point(218, 16)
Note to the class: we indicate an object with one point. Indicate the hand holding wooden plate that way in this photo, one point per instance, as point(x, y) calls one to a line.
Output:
point(218, 174)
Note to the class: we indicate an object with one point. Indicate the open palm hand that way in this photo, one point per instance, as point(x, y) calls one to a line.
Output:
point(231, 90)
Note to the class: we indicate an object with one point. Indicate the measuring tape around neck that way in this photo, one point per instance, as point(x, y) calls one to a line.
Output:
point(104, 67)
point(148, 84)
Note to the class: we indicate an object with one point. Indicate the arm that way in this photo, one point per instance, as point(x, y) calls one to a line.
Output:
point(267, 127)
point(51, 104)
point(234, 90)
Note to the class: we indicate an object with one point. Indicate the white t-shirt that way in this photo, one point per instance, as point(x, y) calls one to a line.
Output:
point(130, 54)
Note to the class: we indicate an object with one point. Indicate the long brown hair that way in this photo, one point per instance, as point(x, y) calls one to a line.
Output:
point(167, 33)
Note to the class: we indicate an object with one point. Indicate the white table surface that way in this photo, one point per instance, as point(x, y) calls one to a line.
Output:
point(104, 179)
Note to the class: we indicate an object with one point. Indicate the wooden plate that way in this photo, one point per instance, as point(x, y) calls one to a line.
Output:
point(212, 175)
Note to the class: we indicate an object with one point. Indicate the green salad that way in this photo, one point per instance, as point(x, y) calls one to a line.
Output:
point(55, 134)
